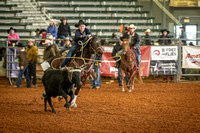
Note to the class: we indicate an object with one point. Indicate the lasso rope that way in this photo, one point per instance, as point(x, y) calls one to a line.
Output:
point(84, 59)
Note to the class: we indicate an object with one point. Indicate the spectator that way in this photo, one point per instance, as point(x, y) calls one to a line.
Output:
point(117, 48)
point(49, 52)
point(164, 38)
point(43, 32)
point(52, 30)
point(67, 46)
point(147, 39)
point(38, 36)
point(64, 30)
point(81, 34)
point(134, 42)
point(32, 60)
point(23, 66)
point(183, 36)
point(11, 57)
point(96, 82)
point(54, 45)
point(12, 35)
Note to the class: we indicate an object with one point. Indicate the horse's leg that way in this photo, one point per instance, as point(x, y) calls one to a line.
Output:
point(131, 82)
point(123, 80)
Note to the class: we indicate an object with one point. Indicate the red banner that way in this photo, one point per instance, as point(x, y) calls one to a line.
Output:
point(107, 66)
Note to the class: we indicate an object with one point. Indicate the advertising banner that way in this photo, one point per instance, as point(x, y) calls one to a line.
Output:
point(107, 66)
point(164, 60)
point(191, 57)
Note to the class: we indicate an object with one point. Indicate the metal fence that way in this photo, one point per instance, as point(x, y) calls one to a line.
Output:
point(11, 58)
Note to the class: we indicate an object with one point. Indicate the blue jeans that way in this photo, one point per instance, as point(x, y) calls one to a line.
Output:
point(69, 54)
point(19, 79)
point(138, 56)
point(97, 80)
point(120, 78)
point(32, 72)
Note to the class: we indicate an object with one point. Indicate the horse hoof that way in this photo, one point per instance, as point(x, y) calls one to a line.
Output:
point(74, 105)
point(122, 90)
point(129, 90)
point(53, 111)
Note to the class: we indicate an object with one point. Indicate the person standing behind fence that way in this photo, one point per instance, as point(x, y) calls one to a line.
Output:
point(52, 30)
point(49, 52)
point(147, 39)
point(37, 36)
point(96, 82)
point(32, 60)
point(54, 45)
point(12, 35)
point(164, 38)
point(64, 30)
point(23, 66)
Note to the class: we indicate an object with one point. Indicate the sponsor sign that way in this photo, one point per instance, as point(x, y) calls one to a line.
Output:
point(191, 57)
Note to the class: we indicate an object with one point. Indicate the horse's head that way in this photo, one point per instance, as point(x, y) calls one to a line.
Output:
point(95, 46)
point(125, 45)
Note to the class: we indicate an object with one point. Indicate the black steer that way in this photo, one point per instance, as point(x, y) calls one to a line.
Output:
point(60, 83)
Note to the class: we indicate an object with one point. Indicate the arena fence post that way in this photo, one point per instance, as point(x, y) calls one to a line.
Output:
point(179, 60)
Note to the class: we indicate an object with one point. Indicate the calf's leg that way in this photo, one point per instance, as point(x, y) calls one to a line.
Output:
point(50, 103)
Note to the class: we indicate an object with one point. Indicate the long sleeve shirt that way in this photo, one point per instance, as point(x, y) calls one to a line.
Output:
point(84, 35)
point(64, 30)
point(53, 30)
point(134, 40)
point(14, 36)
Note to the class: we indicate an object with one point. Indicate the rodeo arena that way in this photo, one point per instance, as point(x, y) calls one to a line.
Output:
point(100, 66)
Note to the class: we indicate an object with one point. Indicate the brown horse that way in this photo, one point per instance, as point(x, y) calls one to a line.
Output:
point(128, 65)
point(84, 61)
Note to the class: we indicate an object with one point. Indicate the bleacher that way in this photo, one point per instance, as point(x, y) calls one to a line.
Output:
point(104, 17)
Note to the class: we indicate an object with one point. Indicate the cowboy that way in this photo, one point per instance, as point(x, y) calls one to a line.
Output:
point(67, 46)
point(81, 34)
point(134, 41)
point(23, 65)
point(32, 60)
point(37, 36)
point(147, 39)
point(164, 38)
point(54, 45)
point(49, 52)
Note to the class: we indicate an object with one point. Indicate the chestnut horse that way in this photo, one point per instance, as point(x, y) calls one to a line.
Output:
point(128, 65)
point(93, 46)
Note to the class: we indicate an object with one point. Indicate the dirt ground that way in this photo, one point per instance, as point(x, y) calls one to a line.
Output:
point(151, 107)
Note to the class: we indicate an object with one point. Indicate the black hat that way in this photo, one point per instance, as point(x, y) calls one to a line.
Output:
point(42, 30)
point(11, 28)
point(20, 44)
point(81, 22)
point(63, 19)
point(37, 30)
point(165, 30)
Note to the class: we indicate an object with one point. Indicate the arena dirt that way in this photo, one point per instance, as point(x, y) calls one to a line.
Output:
point(151, 107)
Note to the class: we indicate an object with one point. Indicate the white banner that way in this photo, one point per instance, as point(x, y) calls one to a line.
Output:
point(191, 57)
point(164, 53)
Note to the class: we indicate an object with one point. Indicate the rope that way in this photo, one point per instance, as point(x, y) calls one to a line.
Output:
point(84, 59)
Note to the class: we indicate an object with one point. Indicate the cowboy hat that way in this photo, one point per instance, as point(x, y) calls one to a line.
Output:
point(81, 22)
point(11, 28)
point(37, 30)
point(131, 26)
point(47, 41)
point(50, 37)
point(148, 30)
point(165, 30)
point(31, 40)
point(20, 45)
